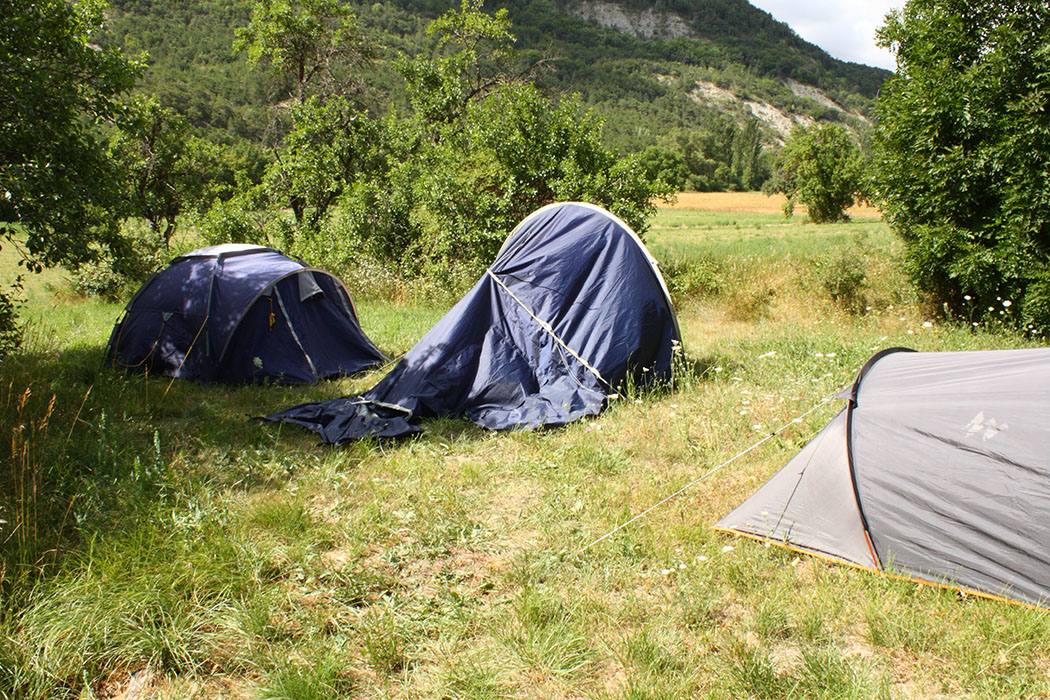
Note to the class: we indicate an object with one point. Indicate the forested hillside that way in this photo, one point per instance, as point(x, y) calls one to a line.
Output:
point(658, 72)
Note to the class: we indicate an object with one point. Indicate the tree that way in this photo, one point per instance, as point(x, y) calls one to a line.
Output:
point(820, 167)
point(311, 46)
point(164, 168)
point(665, 164)
point(314, 48)
point(56, 180)
point(477, 49)
point(962, 153)
point(482, 149)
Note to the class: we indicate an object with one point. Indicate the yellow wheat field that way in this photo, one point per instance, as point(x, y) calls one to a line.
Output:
point(749, 203)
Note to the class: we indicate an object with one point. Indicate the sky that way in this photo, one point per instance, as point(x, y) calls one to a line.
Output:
point(843, 28)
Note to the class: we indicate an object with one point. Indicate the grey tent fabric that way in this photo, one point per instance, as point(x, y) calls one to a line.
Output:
point(815, 507)
point(942, 460)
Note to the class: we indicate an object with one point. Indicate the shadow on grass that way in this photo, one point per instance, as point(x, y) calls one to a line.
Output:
point(93, 449)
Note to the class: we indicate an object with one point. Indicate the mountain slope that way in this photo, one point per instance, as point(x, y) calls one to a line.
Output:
point(651, 68)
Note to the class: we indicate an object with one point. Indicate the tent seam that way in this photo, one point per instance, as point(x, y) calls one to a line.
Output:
point(547, 327)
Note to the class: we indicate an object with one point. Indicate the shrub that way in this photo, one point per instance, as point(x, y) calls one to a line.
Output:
point(231, 222)
point(11, 330)
point(121, 268)
point(843, 275)
point(962, 150)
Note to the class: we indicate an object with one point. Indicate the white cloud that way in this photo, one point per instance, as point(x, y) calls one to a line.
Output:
point(846, 30)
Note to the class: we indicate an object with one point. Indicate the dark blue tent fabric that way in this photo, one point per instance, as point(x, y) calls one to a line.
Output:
point(235, 313)
point(571, 308)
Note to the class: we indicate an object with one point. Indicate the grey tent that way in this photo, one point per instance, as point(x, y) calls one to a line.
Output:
point(937, 470)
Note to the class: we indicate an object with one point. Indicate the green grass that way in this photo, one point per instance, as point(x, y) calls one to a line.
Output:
point(149, 524)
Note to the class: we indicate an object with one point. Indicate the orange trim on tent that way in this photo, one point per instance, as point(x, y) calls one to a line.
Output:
point(882, 572)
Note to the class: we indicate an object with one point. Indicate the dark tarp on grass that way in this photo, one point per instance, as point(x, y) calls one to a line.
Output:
point(572, 307)
point(235, 313)
point(937, 470)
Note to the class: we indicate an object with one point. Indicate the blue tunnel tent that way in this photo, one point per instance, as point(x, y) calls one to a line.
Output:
point(236, 313)
point(572, 307)
point(937, 470)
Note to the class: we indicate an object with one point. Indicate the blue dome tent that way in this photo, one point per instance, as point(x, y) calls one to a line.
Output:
point(572, 307)
point(237, 313)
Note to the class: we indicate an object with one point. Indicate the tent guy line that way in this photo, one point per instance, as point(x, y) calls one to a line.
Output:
point(694, 482)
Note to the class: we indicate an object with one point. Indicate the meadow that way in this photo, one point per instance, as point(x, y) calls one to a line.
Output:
point(158, 542)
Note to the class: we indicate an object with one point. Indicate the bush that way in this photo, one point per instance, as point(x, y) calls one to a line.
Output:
point(962, 150)
point(11, 330)
point(231, 222)
point(123, 267)
point(688, 278)
point(843, 275)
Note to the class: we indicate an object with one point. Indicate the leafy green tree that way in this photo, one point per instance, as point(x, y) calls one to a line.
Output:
point(56, 180)
point(524, 151)
point(724, 156)
point(820, 167)
point(962, 153)
point(313, 47)
point(665, 164)
point(470, 60)
point(165, 169)
point(332, 145)
point(482, 149)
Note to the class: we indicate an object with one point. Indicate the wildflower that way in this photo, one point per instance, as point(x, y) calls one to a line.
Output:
point(820, 354)
point(911, 332)
point(967, 297)
point(701, 558)
point(744, 412)
point(718, 369)
point(637, 400)
point(1007, 303)
point(831, 354)
point(756, 426)
point(674, 405)
point(927, 324)
point(727, 548)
